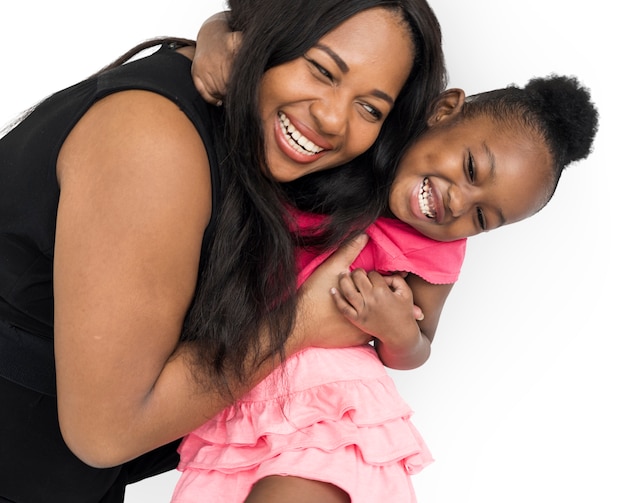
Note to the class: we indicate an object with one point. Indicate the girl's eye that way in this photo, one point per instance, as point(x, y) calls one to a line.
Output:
point(471, 173)
point(481, 219)
point(374, 112)
point(470, 168)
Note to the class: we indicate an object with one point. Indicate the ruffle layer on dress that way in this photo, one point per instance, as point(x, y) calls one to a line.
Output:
point(327, 400)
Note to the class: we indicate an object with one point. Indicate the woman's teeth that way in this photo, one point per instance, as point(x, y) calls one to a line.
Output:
point(427, 205)
point(296, 139)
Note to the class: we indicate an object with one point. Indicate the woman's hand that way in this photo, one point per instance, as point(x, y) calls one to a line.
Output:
point(319, 323)
point(215, 51)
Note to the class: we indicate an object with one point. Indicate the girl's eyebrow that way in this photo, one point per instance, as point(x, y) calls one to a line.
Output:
point(492, 161)
point(491, 176)
point(345, 69)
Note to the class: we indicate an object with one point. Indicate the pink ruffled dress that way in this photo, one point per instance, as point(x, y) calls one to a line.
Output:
point(332, 415)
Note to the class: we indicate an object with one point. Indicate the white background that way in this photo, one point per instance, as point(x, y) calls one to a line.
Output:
point(523, 397)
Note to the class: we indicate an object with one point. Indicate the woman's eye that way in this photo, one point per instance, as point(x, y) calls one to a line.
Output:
point(325, 73)
point(481, 219)
point(374, 112)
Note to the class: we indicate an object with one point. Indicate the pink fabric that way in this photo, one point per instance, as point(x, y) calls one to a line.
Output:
point(395, 246)
point(332, 415)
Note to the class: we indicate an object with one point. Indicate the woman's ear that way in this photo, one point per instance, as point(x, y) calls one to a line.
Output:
point(448, 105)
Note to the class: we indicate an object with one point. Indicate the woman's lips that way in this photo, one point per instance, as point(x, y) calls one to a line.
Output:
point(296, 139)
point(294, 143)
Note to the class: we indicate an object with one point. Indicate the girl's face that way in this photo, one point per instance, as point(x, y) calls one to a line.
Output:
point(327, 107)
point(467, 176)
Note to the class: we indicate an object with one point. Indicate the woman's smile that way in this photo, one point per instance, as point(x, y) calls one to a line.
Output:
point(325, 108)
point(297, 144)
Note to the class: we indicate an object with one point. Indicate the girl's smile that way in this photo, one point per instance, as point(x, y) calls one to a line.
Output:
point(464, 175)
point(428, 201)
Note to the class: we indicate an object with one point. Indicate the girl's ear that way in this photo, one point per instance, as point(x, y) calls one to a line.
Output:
point(448, 105)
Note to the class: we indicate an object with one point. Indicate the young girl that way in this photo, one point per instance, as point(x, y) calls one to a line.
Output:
point(330, 425)
point(132, 212)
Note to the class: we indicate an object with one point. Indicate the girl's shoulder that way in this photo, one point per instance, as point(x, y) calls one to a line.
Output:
point(396, 246)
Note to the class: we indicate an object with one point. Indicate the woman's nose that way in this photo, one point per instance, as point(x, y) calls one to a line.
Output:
point(330, 115)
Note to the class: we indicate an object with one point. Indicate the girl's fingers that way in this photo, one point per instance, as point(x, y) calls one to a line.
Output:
point(350, 291)
point(342, 304)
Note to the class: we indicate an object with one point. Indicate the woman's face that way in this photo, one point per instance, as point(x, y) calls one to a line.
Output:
point(469, 176)
point(325, 108)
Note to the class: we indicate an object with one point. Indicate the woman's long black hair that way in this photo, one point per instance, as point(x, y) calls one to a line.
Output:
point(247, 285)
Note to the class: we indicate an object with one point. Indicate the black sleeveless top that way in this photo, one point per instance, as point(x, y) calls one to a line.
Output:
point(29, 197)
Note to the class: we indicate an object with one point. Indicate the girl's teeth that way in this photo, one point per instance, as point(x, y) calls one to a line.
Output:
point(425, 199)
point(296, 139)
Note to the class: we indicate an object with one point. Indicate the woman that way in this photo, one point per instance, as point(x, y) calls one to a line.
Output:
point(151, 211)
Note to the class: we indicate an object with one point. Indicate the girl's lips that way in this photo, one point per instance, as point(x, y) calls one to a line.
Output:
point(298, 142)
point(426, 203)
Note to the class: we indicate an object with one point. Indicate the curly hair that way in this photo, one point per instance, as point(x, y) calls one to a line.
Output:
point(557, 108)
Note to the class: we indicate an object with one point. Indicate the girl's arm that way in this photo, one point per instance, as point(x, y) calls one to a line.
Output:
point(215, 50)
point(134, 204)
point(386, 308)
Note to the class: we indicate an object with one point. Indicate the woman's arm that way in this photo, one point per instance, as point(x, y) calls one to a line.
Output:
point(134, 204)
point(131, 216)
point(386, 308)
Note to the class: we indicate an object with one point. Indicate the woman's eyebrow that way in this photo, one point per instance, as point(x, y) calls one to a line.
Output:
point(336, 58)
point(345, 69)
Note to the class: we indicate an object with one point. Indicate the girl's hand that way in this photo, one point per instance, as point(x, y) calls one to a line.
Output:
point(319, 323)
point(215, 51)
point(379, 305)
point(383, 307)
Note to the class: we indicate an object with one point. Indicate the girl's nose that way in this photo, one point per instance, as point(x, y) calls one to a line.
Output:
point(458, 201)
